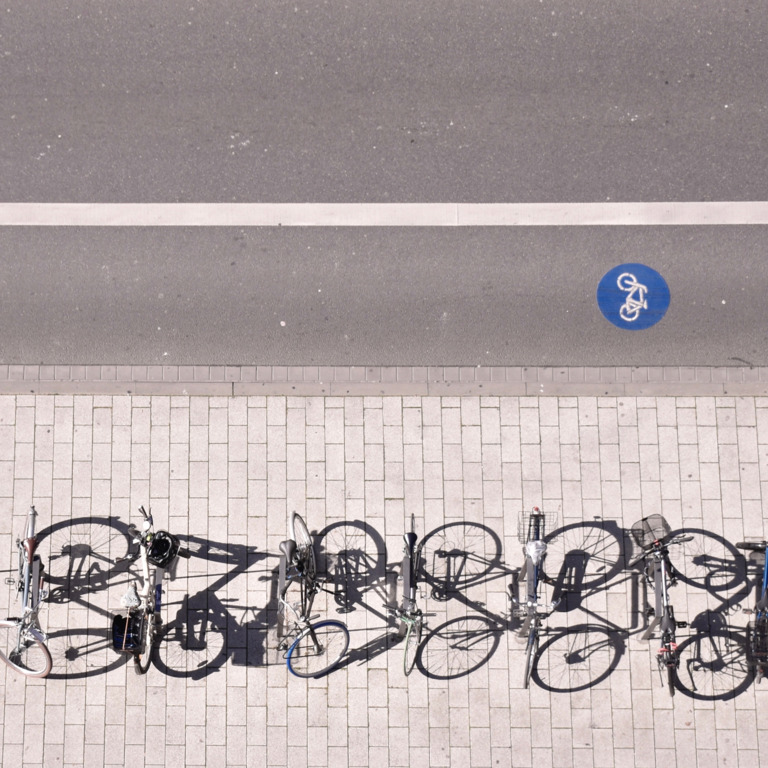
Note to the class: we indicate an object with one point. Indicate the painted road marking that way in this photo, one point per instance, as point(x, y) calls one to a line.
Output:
point(381, 214)
point(633, 296)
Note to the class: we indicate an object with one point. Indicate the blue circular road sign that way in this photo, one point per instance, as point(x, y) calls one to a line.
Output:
point(633, 296)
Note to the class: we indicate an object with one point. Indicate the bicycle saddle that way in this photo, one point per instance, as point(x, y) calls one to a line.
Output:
point(410, 539)
point(288, 548)
point(536, 550)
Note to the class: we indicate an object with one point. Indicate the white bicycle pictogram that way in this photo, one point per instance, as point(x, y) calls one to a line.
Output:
point(630, 309)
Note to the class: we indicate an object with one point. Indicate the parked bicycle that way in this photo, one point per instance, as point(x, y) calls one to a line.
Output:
point(757, 630)
point(408, 613)
point(22, 641)
point(135, 631)
point(310, 650)
point(531, 532)
point(653, 535)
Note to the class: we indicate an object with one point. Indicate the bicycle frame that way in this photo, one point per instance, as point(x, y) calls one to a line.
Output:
point(408, 613)
point(757, 631)
point(652, 534)
point(309, 650)
point(531, 610)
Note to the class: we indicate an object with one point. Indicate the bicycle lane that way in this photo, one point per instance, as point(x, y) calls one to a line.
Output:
point(224, 473)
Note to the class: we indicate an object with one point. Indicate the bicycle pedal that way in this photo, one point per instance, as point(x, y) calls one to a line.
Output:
point(681, 624)
point(10, 581)
point(650, 613)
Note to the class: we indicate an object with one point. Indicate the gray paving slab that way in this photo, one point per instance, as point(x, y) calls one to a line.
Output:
point(224, 472)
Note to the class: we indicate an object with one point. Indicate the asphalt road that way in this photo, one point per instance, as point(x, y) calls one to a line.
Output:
point(408, 102)
point(394, 296)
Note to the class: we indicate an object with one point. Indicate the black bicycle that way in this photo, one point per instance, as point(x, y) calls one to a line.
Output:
point(310, 650)
point(757, 631)
point(652, 535)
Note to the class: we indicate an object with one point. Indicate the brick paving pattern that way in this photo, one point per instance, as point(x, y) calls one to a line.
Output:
point(224, 473)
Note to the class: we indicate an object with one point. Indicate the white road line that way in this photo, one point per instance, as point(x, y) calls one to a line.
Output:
point(380, 214)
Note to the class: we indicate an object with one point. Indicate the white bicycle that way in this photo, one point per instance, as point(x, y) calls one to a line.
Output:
point(135, 631)
point(630, 309)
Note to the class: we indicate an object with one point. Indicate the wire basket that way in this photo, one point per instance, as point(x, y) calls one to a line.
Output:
point(525, 526)
point(650, 529)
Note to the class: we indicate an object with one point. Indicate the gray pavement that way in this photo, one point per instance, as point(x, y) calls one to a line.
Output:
point(490, 296)
point(224, 472)
point(412, 102)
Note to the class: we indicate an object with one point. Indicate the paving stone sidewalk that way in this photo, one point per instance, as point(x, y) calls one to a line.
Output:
point(225, 472)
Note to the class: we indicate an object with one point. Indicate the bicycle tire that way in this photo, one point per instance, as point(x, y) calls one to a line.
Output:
point(28, 654)
point(300, 534)
point(671, 677)
point(143, 661)
point(530, 655)
point(412, 643)
point(318, 649)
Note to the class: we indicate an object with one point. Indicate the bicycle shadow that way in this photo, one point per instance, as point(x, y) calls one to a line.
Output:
point(714, 661)
point(459, 647)
point(205, 633)
point(458, 561)
point(353, 556)
point(81, 569)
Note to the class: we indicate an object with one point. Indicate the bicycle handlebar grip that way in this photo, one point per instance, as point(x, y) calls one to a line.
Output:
point(632, 563)
point(752, 546)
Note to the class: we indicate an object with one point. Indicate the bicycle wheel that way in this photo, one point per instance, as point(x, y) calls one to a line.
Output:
point(412, 643)
point(142, 661)
point(318, 649)
point(300, 534)
point(23, 649)
point(531, 650)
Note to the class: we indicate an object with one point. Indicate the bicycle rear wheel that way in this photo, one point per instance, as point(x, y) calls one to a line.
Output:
point(304, 543)
point(24, 649)
point(412, 643)
point(531, 649)
point(318, 649)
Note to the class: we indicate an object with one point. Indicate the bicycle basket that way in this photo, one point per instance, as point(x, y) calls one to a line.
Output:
point(525, 527)
point(127, 632)
point(759, 631)
point(650, 529)
point(163, 549)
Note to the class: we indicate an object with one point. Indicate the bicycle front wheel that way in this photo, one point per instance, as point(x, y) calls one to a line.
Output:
point(671, 677)
point(24, 649)
point(531, 649)
point(304, 543)
point(412, 643)
point(318, 649)
point(143, 660)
